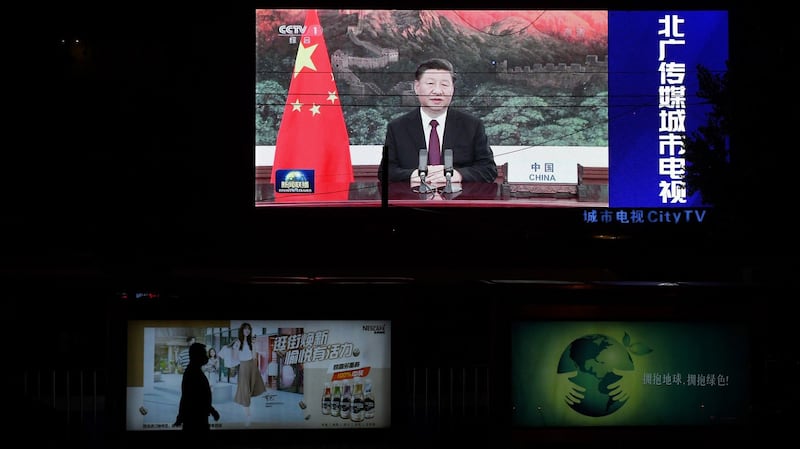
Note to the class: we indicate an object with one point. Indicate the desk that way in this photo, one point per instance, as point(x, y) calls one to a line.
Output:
point(402, 191)
point(401, 194)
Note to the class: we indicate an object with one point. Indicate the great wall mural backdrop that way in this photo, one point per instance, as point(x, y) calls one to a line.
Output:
point(534, 77)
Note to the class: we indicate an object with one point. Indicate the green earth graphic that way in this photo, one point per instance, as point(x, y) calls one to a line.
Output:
point(594, 357)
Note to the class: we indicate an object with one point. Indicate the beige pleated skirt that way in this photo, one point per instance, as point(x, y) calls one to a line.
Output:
point(250, 383)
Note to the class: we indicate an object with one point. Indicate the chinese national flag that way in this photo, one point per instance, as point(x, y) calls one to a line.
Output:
point(313, 135)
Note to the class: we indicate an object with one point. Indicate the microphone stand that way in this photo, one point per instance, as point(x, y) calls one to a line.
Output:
point(424, 187)
point(448, 172)
point(448, 187)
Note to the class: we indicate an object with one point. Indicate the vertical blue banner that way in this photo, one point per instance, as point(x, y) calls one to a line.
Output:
point(653, 60)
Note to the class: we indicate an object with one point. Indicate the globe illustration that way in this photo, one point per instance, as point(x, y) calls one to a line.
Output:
point(594, 357)
point(295, 175)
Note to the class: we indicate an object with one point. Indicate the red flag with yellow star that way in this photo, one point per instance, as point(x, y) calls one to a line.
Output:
point(312, 151)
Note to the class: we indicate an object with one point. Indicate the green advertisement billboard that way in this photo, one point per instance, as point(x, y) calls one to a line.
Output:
point(633, 373)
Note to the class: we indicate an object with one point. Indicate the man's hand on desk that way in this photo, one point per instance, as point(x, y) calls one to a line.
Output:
point(436, 176)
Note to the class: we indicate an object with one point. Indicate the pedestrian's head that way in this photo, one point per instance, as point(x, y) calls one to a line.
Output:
point(434, 83)
point(198, 354)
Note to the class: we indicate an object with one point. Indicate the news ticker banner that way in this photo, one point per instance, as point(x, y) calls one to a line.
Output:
point(653, 102)
point(317, 374)
point(630, 373)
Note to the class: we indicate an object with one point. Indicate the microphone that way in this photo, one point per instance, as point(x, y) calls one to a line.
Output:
point(448, 172)
point(423, 171)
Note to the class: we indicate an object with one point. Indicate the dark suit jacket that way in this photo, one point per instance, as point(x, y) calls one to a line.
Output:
point(464, 134)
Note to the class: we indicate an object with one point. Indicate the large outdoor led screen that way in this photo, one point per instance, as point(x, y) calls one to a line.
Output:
point(316, 374)
point(580, 108)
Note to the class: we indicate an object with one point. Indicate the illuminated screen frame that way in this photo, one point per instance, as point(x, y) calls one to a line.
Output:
point(633, 108)
point(298, 359)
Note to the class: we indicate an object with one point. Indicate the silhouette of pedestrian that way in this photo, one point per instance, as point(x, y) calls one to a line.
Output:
point(195, 405)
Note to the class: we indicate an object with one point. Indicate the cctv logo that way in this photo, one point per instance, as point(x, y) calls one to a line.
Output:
point(291, 30)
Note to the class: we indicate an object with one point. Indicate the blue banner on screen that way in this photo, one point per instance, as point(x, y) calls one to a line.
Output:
point(653, 57)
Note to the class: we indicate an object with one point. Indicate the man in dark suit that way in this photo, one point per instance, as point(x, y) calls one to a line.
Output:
point(473, 160)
